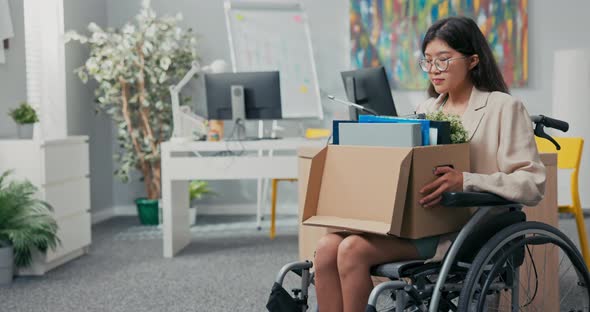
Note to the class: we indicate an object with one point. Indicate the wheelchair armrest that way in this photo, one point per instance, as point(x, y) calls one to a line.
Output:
point(474, 199)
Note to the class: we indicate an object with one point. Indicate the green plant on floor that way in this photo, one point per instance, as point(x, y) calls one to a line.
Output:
point(458, 132)
point(24, 114)
point(26, 223)
point(134, 68)
point(197, 189)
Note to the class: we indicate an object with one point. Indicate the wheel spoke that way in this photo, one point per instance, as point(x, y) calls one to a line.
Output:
point(569, 291)
point(545, 275)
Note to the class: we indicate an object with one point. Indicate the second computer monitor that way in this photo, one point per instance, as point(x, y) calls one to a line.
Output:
point(369, 87)
point(258, 94)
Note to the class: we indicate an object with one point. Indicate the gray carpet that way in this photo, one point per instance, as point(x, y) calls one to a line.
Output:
point(229, 270)
point(229, 266)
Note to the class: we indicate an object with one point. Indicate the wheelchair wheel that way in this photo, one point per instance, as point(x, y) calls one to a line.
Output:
point(528, 266)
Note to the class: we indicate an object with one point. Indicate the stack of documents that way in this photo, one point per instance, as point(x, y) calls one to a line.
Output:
point(390, 131)
point(380, 134)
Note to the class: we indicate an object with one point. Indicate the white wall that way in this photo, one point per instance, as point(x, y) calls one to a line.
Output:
point(553, 25)
point(557, 25)
point(13, 84)
point(80, 103)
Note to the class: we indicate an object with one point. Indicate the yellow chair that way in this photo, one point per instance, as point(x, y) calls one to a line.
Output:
point(311, 133)
point(569, 157)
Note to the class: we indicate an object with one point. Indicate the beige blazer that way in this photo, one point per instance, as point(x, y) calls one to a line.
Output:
point(504, 156)
point(503, 152)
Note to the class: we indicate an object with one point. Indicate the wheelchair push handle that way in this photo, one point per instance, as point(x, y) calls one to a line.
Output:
point(551, 122)
point(542, 121)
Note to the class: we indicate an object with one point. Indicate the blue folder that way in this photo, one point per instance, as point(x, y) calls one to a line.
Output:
point(336, 132)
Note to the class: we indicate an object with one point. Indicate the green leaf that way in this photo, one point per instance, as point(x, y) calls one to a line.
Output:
point(26, 223)
point(197, 189)
point(24, 114)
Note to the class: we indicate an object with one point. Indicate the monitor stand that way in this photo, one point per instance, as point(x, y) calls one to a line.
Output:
point(238, 110)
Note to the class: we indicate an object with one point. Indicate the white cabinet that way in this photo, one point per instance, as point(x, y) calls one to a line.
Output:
point(60, 169)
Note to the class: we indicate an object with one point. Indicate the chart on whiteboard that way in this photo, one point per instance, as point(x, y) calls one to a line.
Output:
point(278, 40)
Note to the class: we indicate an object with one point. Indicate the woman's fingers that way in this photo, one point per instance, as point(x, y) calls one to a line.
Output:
point(442, 170)
point(434, 202)
point(432, 186)
point(430, 199)
point(449, 179)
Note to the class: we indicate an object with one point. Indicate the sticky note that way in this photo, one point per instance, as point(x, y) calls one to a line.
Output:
point(240, 17)
point(297, 18)
point(303, 89)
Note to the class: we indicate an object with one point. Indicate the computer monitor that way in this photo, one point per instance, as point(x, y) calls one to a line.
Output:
point(369, 87)
point(244, 95)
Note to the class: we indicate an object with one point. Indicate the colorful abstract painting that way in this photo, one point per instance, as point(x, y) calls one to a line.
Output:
point(390, 32)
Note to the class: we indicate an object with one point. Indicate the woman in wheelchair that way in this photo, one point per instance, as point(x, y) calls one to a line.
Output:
point(499, 261)
point(464, 80)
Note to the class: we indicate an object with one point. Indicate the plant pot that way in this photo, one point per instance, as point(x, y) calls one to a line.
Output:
point(147, 210)
point(25, 131)
point(192, 215)
point(6, 265)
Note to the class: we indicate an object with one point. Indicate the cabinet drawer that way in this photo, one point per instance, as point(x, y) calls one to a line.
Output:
point(23, 157)
point(65, 162)
point(74, 232)
point(69, 197)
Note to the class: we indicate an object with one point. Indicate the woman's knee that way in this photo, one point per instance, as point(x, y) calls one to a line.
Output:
point(327, 251)
point(352, 254)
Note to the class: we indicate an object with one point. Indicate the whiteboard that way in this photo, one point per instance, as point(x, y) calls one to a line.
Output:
point(275, 36)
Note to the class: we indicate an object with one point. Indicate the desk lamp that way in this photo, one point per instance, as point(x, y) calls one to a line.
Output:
point(184, 120)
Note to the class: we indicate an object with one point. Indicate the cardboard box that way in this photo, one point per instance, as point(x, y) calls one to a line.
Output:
point(308, 235)
point(376, 189)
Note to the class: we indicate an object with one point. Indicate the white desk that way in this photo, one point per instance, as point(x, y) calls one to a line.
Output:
point(184, 161)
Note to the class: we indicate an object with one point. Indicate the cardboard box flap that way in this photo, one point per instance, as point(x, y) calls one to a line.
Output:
point(349, 224)
point(359, 183)
point(402, 195)
point(314, 183)
point(308, 151)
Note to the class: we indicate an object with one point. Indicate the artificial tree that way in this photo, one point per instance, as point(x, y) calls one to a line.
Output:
point(133, 68)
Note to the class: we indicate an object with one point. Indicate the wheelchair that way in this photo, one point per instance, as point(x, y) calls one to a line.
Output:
point(489, 266)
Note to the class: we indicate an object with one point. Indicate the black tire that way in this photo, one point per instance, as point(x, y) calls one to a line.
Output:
point(507, 243)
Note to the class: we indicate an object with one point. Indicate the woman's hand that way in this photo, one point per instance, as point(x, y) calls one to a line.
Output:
point(450, 180)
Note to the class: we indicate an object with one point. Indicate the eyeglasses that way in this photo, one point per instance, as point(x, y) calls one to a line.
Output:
point(440, 64)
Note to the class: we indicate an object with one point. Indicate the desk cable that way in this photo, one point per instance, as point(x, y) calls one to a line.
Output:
point(239, 125)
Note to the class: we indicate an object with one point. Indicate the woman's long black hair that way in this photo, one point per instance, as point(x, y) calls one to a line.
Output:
point(463, 34)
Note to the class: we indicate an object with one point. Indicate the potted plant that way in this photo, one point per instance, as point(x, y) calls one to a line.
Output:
point(25, 117)
point(26, 224)
point(457, 131)
point(197, 189)
point(134, 68)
